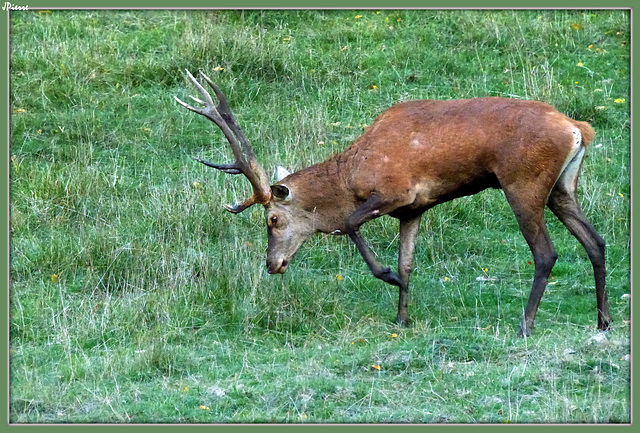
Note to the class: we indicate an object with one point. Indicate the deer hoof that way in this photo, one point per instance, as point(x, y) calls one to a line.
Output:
point(603, 324)
point(524, 332)
point(388, 276)
point(402, 321)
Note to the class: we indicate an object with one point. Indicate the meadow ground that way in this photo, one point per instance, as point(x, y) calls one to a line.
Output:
point(135, 297)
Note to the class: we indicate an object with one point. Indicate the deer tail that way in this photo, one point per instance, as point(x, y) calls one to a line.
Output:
point(586, 131)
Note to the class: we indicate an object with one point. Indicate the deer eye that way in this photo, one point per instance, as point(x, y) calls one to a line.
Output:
point(274, 220)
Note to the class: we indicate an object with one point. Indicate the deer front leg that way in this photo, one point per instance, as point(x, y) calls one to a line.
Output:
point(372, 208)
point(408, 232)
point(385, 274)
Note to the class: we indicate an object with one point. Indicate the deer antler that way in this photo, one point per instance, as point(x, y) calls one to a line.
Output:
point(245, 162)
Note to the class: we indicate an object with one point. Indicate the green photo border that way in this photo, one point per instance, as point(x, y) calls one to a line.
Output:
point(272, 4)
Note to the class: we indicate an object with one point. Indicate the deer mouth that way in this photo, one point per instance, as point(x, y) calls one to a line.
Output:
point(278, 268)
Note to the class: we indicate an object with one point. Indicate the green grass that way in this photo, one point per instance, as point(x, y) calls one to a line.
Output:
point(136, 298)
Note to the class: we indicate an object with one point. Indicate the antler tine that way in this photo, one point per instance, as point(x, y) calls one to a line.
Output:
point(211, 113)
point(221, 97)
point(245, 160)
point(227, 168)
point(225, 111)
point(187, 106)
point(209, 110)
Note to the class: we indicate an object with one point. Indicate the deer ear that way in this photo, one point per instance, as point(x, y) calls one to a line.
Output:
point(281, 173)
point(281, 192)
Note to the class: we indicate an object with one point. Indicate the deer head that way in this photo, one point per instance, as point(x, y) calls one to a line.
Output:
point(288, 226)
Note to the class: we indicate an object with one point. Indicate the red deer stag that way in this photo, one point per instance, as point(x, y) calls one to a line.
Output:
point(414, 156)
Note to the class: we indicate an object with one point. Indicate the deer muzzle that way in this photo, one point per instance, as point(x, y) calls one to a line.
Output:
point(278, 266)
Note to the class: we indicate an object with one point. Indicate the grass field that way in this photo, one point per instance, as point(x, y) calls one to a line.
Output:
point(135, 298)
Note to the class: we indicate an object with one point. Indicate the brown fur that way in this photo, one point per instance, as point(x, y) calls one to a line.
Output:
point(448, 144)
point(418, 154)
point(414, 156)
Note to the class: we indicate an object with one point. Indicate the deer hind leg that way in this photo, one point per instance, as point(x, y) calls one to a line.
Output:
point(529, 211)
point(564, 204)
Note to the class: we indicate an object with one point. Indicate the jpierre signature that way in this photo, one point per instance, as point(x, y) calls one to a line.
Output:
point(11, 7)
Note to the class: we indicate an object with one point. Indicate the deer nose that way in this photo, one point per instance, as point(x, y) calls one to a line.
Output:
point(279, 267)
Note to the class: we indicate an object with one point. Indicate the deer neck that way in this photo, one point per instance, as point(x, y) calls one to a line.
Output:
point(322, 192)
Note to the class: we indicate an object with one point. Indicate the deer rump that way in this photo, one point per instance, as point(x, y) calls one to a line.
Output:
point(416, 155)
